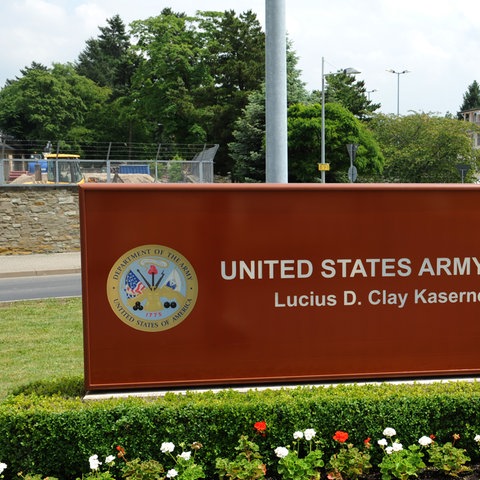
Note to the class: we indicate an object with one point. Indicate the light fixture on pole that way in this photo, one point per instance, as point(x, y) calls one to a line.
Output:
point(348, 71)
point(398, 86)
point(369, 92)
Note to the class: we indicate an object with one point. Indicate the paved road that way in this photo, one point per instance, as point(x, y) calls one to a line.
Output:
point(43, 286)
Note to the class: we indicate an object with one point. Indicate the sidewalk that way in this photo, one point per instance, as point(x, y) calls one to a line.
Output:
point(41, 264)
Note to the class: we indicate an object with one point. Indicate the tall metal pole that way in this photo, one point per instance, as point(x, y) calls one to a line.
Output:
point(349, 70)
point(398, 94)
point(276, 92)
point(398, 86)
point(323, 121)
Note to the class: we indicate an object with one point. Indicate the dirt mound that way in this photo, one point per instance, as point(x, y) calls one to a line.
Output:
point(26, 179)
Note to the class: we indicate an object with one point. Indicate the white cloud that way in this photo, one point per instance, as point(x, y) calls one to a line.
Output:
point(437, 41)
point(88, 14)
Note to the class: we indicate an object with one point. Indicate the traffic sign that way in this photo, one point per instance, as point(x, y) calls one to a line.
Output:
point(352, 173)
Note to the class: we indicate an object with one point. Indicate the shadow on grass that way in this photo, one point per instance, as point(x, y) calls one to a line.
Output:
point(67, 387)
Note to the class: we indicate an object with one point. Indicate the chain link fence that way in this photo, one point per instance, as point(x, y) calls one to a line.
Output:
point(42, 162)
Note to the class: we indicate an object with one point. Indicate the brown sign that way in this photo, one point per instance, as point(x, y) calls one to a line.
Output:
point(199, 285)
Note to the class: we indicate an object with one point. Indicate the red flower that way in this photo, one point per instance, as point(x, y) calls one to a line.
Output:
point(366, 442)
point(260, 426)
point(340, 436)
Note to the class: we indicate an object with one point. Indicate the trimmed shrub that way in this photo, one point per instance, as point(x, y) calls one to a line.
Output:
point(54, 435)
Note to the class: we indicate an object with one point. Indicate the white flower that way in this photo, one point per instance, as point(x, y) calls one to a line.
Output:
point(167, 447)
point(389, 450)
point(424, 441)
point(383, 442)
point(186, 455)
point(110, 459)
point(298, 435)
point(397, 446)
point(94, 462)
point(477, 438)
point(172, 473)
point(3, 466)
point(309, 433)
point(281, 452)
point(389, 432)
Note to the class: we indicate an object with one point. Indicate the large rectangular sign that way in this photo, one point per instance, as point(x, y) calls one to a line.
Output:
point(199, 285)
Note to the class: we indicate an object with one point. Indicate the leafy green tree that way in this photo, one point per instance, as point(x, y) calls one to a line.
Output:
point(423, 148)
point(170, 76)
point(51, 103)
point(196, 73)
point(471, 98)
point(341, 128)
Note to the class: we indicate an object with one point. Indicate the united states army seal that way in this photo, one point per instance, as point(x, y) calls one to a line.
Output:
point(152, 288)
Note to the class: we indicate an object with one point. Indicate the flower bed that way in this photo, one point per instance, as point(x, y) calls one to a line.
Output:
point(305, 433)
point(304, 459)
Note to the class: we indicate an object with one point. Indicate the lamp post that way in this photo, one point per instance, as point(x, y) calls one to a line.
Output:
point(398, 86)
point(369, 92)
point(350, 71)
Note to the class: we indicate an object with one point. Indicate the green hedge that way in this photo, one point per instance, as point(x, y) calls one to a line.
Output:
point(54, 435)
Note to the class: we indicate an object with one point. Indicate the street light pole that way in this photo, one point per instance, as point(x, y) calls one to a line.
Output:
point(398, 86)
point(350, 71)
point(323, 121)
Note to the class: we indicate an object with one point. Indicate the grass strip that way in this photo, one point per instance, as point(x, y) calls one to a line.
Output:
point(39, 340)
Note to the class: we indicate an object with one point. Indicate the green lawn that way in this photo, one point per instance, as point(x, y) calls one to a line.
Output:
point(39, 340)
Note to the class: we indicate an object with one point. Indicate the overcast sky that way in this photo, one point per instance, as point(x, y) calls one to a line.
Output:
point(438, 41)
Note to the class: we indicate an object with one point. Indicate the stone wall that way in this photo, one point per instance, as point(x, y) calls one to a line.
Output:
point(39, 219)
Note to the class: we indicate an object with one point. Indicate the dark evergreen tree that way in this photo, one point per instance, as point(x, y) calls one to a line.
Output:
point(471, 98)
point(235, 55)
point(345, 89)
point(108, 60)
point(247, 150)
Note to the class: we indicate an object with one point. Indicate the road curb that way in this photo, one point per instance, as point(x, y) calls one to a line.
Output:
point(39, 273)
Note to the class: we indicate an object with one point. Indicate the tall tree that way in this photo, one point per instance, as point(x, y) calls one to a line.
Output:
point(422, 148)
point(108, 59)
point(345, 89)
point(196, 74)
point(51, 103)
point(170, 76)
point(235, 54)
point(247, 150)
point(471, 98)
